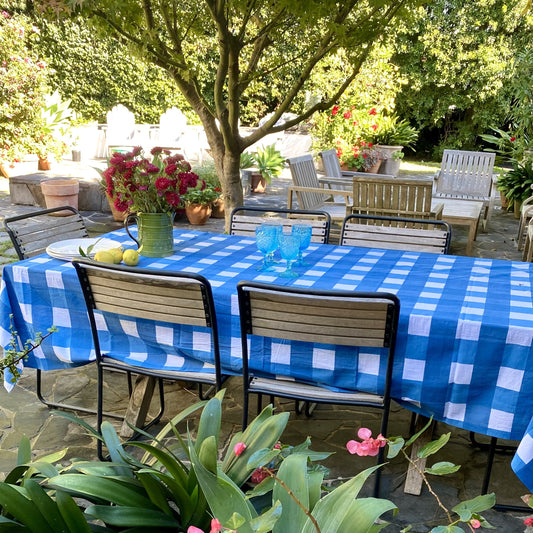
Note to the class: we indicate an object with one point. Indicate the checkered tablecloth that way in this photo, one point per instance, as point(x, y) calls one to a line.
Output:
point(464, 350)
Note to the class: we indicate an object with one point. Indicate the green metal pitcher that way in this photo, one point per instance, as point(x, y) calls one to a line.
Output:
point(154, 233)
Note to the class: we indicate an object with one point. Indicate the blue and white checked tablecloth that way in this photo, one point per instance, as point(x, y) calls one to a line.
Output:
point(464, 350)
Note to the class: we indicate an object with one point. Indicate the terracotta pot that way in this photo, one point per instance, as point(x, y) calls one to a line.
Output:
point(198, 214)
point(44, 164)
point(59, 192)
point(217, 209)
point(119, 216)
point(374, 168)
point(258, 183)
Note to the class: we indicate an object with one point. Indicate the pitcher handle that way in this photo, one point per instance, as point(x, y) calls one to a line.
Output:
point(127, 222)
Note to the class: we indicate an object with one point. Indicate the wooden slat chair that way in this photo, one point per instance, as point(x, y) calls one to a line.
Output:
point(165, 297)
point(397, 197)
point(526, 214)
point(244, 220)
point(467, 176)
point(30, 234)
point(395, 233)
point(320, 317)
point(33, 232)
point(310, 192)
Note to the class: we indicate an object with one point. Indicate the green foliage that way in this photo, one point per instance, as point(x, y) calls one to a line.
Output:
point(269, 162)
point(22, 84)
point(516, 183)
point(394, 132)
point(198, 195)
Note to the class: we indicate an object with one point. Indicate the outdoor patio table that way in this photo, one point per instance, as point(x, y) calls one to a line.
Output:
point(464, 350)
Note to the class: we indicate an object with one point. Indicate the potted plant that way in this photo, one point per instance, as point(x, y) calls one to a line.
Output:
point(265, 163)
point(516, 184)
point(198, 202)
point(207, 172)
point(391, 164)
point(361, 157)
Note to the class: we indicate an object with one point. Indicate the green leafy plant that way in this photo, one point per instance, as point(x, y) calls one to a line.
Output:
point(516, 183)
point(180, 484)
point(198, 195)
point(394, 132)
point(269, 162)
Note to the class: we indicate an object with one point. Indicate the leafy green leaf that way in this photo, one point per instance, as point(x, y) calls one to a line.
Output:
point(266, 522)
point(71, 513)
point(434, 446)
point(394, 445)
point(466, 509)
point(416, 435)
point(442, 468)
point(124, 516)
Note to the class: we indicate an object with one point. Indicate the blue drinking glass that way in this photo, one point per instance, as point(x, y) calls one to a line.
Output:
point(289, 246)
point(266, 241)
point(277, 229)
point(303, 232)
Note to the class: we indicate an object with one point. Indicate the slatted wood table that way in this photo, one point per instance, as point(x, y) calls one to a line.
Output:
point(462, 213)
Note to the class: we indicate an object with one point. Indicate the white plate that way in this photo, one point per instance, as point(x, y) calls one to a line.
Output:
point(69, 249)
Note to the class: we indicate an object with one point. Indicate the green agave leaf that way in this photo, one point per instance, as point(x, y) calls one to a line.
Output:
point(77, 420)
point(23, 509)
point(24, 451)
point(208, 453)
point(16, 474)
point(95, 468)
point(46, 506)
point(293, 472)
point(11, 526)
point(265, 486)
point(53, 457)
point(315, 487)
point(44, 468)
point(447, 529)
point(174, 467)
point(71, 513)
point(261, 458)
point(266, 522)
point(235, 521)
point(260, 436)
point(156, 491)
point(442, 468)
point(223, 496)
point(466, 509)
point(124, 516)
point(99, 488)
point(173, 423)
point(434, 446)
point(362, 515)
point(114, 446)
point(329, 512)
point(209, 424)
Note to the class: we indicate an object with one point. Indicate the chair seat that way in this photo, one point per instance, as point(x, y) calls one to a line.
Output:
point(302, 391)
point(458, 196)
point(202, 377)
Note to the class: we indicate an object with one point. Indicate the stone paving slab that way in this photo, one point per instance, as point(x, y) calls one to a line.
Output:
point(330, 427)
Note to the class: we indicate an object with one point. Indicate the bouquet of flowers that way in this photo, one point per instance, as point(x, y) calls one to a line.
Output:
point(140, 185)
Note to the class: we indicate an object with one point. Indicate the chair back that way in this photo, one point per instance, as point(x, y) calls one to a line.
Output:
point(244, 220)
point(170, 297)
point(33, 232)
point(120, 126)
point(397, 197)
point(466, 173)
point(172, 126)
point(332, 167)
point(304, 174)
point(395, 233)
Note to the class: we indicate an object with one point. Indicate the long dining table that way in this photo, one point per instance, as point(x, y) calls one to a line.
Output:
point(464, 349)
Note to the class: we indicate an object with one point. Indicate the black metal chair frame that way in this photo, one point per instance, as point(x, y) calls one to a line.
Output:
point(105, 361)
point(415, 221)
point(282, 211)
point(247, 328)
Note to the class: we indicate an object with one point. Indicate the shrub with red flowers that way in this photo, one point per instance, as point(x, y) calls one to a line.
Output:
point(362, 156)
point(141, 185)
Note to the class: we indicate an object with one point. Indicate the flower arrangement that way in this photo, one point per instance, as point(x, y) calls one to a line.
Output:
point(140, 185)
point(361, 156)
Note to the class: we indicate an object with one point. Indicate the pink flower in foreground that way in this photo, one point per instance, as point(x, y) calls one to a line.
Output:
point(193, 529)
point(368, 445)
point(475, 523)
point(239, 448)
point(529, 521)
point(216, 526)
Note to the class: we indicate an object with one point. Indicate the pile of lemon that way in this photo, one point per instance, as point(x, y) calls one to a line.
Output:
point(118, 255)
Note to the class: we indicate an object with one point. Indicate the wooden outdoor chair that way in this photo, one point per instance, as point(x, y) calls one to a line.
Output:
point(311, 193)
point(395, 197)
point(467, 176)
point(159, 296)
point(345, 318)
point(395, 233)
point(244, 220)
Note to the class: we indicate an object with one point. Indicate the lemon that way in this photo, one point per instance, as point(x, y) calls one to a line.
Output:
point(104, 256)
point(117, 255)
point(130, 257)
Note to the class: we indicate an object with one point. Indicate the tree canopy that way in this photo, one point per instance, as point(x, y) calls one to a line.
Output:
point(216, 51)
